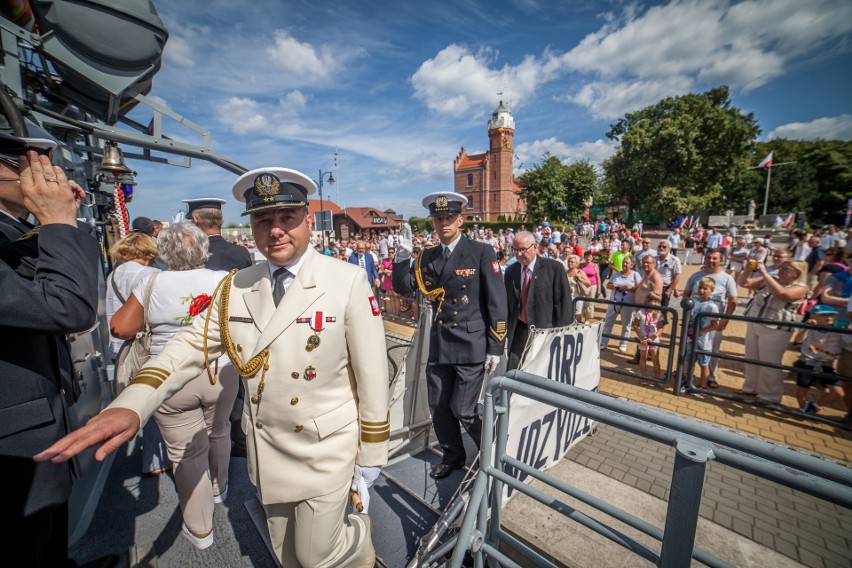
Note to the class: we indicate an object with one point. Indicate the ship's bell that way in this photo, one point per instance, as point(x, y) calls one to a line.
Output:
point(113, 161)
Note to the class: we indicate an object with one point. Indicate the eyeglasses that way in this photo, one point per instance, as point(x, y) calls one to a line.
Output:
point(662, 246)
point(522, 250)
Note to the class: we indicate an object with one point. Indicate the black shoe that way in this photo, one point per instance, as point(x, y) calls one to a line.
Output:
point(108, 561)
point(443, 470)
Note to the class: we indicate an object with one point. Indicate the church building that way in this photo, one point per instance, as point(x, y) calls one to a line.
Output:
point(487, 179)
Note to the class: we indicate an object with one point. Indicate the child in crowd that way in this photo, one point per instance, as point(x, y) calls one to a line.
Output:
point(648, 324)
point(705, 305)
point(820, 349)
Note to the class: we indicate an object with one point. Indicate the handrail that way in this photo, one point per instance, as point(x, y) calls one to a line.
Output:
point(694, 442)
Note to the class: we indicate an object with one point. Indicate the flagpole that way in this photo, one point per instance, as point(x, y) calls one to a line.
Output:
point(766, 198)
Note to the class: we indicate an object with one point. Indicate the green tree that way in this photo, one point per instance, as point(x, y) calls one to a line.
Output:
point(815, 179)
point(553, 190)
point(680, 154)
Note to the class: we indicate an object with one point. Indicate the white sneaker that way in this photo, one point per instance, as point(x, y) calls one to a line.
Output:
point(220, 498)
point(622, 348)
point(199, 542)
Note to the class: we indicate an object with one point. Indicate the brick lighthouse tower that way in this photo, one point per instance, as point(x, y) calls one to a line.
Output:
point(486, 179)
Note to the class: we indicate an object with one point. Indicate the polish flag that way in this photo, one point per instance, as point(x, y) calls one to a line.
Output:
point(767, 161)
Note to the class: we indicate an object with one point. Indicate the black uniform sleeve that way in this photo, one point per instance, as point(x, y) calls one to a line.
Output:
point(562, 299)
point(63, 296)
point(495, 300)
point(403, 278)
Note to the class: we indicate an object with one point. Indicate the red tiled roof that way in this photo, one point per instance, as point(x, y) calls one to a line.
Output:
point(327, 205)
point(363, 217)
point(472, 161)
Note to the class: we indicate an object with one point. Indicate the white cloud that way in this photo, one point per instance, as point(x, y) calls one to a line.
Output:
point(611, 99)
point(293, 56)
point(827, 128)
point(530, 153)
point(178, 51)
point(744, 45)
point(293, 102)
point(456, 79)
point(423, 166)
point(243, 115)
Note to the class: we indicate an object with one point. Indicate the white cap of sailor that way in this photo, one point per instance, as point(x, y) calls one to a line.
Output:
point(444, 203)
point(273, 188)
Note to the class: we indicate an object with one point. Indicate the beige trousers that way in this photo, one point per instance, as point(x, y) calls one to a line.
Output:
point(765, 344)
point(196, 427)
point(318, 533)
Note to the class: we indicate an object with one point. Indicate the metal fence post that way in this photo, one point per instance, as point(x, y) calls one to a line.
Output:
point(687, 304)
point(684, 502)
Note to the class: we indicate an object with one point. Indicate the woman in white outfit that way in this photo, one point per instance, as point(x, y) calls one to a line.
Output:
point(775, 298)
point(134, 256)
point(622, 286)
point(195, 421)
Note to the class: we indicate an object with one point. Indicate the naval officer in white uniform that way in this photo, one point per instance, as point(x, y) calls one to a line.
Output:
point(305, 333)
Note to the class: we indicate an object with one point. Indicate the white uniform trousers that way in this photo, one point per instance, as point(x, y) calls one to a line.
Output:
point(766, 344)
point(318, 533)
point(196, 426)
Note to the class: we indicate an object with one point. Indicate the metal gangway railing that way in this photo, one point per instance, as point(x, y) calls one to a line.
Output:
point(695, 443)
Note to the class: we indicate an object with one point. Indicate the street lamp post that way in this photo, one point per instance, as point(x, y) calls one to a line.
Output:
point(330, 175)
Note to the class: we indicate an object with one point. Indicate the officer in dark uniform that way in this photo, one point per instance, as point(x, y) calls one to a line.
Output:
point(49, 278)
point(464, 283)
point(206, 213)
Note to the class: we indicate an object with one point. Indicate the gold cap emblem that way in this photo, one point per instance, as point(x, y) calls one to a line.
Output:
point(441, 202)
point(266, 184)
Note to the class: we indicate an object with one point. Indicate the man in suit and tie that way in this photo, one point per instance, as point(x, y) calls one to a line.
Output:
point(463, 281)
point(49, 278)
point(363, 258)
point(305, 332)
point(538, 295)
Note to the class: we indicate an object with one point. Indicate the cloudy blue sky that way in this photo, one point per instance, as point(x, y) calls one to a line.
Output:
point(396, 88)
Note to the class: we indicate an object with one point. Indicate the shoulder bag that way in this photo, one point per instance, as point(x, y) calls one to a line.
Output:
point(134, 353)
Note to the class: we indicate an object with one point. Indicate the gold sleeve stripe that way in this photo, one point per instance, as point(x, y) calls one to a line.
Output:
point(151, 376)
point(146, 380)
point(367, 423)
point(375, 430)
point(375, 438)
point(499, 335)
point(156, 371)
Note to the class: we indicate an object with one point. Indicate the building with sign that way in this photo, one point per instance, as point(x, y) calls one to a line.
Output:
point(351, 220)
point(487, 180)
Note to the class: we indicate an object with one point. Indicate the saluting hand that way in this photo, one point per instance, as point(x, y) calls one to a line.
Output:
point(47, 192)
point(113, 427)
point(404, 246)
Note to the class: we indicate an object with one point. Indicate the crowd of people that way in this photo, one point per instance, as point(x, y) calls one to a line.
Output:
point(223, 329)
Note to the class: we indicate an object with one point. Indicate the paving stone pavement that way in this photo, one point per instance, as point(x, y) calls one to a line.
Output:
point(804, 528)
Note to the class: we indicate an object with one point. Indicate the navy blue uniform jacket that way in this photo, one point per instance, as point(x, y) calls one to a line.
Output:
point(35, 365)
point(225, 255)
point(471, 322)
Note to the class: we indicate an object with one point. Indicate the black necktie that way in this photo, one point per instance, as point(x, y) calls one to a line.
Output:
point(446, 253)
point(278, 284)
